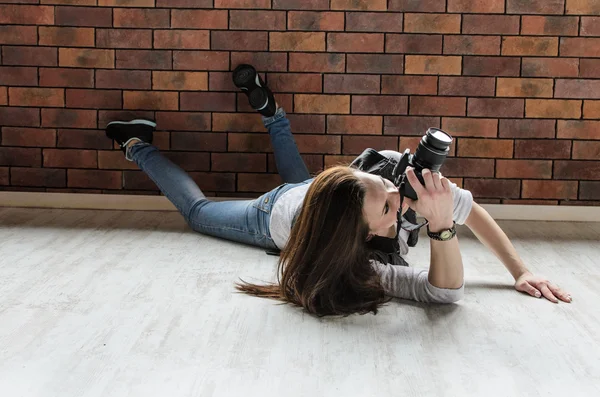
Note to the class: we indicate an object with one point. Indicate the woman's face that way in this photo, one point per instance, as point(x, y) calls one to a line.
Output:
point(382, 202)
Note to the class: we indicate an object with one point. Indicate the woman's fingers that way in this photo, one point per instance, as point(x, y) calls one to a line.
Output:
point(414, 182)
point(559, 293)
point(530, 289)
point(548, 294)
point(428, 179)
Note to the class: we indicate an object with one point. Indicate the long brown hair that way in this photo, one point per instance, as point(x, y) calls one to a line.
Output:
point(325, 265)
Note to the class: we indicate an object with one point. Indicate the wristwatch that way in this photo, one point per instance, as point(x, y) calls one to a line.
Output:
point(443, 235)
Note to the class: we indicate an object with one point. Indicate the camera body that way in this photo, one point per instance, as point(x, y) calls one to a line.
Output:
point(431, 153)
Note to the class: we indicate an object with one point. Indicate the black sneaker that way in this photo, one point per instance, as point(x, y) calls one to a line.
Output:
point(260, 96)
point(123, 132)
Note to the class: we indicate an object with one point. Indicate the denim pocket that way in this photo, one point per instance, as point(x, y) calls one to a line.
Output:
point(265, 202)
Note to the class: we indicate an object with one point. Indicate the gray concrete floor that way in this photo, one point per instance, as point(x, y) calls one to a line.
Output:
point(116, 303)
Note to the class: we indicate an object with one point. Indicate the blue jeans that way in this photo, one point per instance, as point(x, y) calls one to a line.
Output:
point(244, 221)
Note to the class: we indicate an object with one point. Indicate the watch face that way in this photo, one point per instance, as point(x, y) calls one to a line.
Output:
point(446, 234)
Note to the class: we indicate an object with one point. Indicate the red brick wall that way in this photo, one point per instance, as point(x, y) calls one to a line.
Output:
point(515, 81)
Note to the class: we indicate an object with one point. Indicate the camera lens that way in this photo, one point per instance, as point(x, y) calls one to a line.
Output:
point(438, 138)
point(432, 150)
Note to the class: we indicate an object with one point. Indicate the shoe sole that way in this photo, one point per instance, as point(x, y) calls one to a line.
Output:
point(138, 121)
point(244, 76)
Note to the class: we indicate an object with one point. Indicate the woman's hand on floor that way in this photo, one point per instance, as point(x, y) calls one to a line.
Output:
point(538, 287)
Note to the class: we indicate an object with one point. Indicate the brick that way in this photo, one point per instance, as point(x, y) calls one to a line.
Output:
point(200, 141)
point(38, 177)
point(495, 107)
point(491, 24)
point(124, 79)
point(22, 157)
point(123, 38)
point(357, 144)
point(58, 77)
point(83, 139)
point(589, 190)
point(576, 129)
point(294, 82)
point(18, 35)
point(301, 4)
point(517, 169)
point(550, 67)
point(314, 163)
point(417, 5)
point(180, 81)
point(86, 58)
point(21, 76)
point(527, 128)
point(431, 23)
point(476, 6)
point(365, 5)
point(322, 104)
point(258, 182)
point(138, 180)
point(470, 127)
point(106, 116)
point(303, 62)
point(474, 168)
point(409, 85)
point(182, 39)
point(126, 3)
point(150, 100)
point(221, 81)
point(552, 108)
point(586, 150)
point(351, 84)
point(31, 137)
point(535, 6)
point(514, 87)
point(114, 160)
point(472, 45)
point(141, 18)
point(355, 42)
point(376, 104)
point(183, 121)
point(307, 124)
point(70, 158)
point(491, 188)
point(144, 59)
point(84, 16)
point(375, 63)
point(550, 26)
point(29, 56)
point(494, 148)
point(3, 96)
point(580, 170)
point(249, 143)
point(414, 43)
point(491, 66)
point(580, 47)
point(200, 60)
point(26, 15)
point(94, 179)
point(577, 88)
point(69, 118)
point(408, 125)
point(590, 7)
point(67, 37)
point(242, 3)
point(239, 40)
point(591, 109)
point(94, 99)
point(48, 97)
point(438, 106)
point(258, 20)
point(373, 22)
point(542, 149)
point(467, 86)
point(549, 189)
point(297, 41)
point(589, 26)
point(314, 21)
point(588, 68)
point(19, 117)
point(207, 101)
point(530, 202)
point(361, 125)
point(262, 61)
point(190, 161)
point(237, 122)
point(199, 19)
point(239, 162)
point(440, 65)
point(534, 46)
